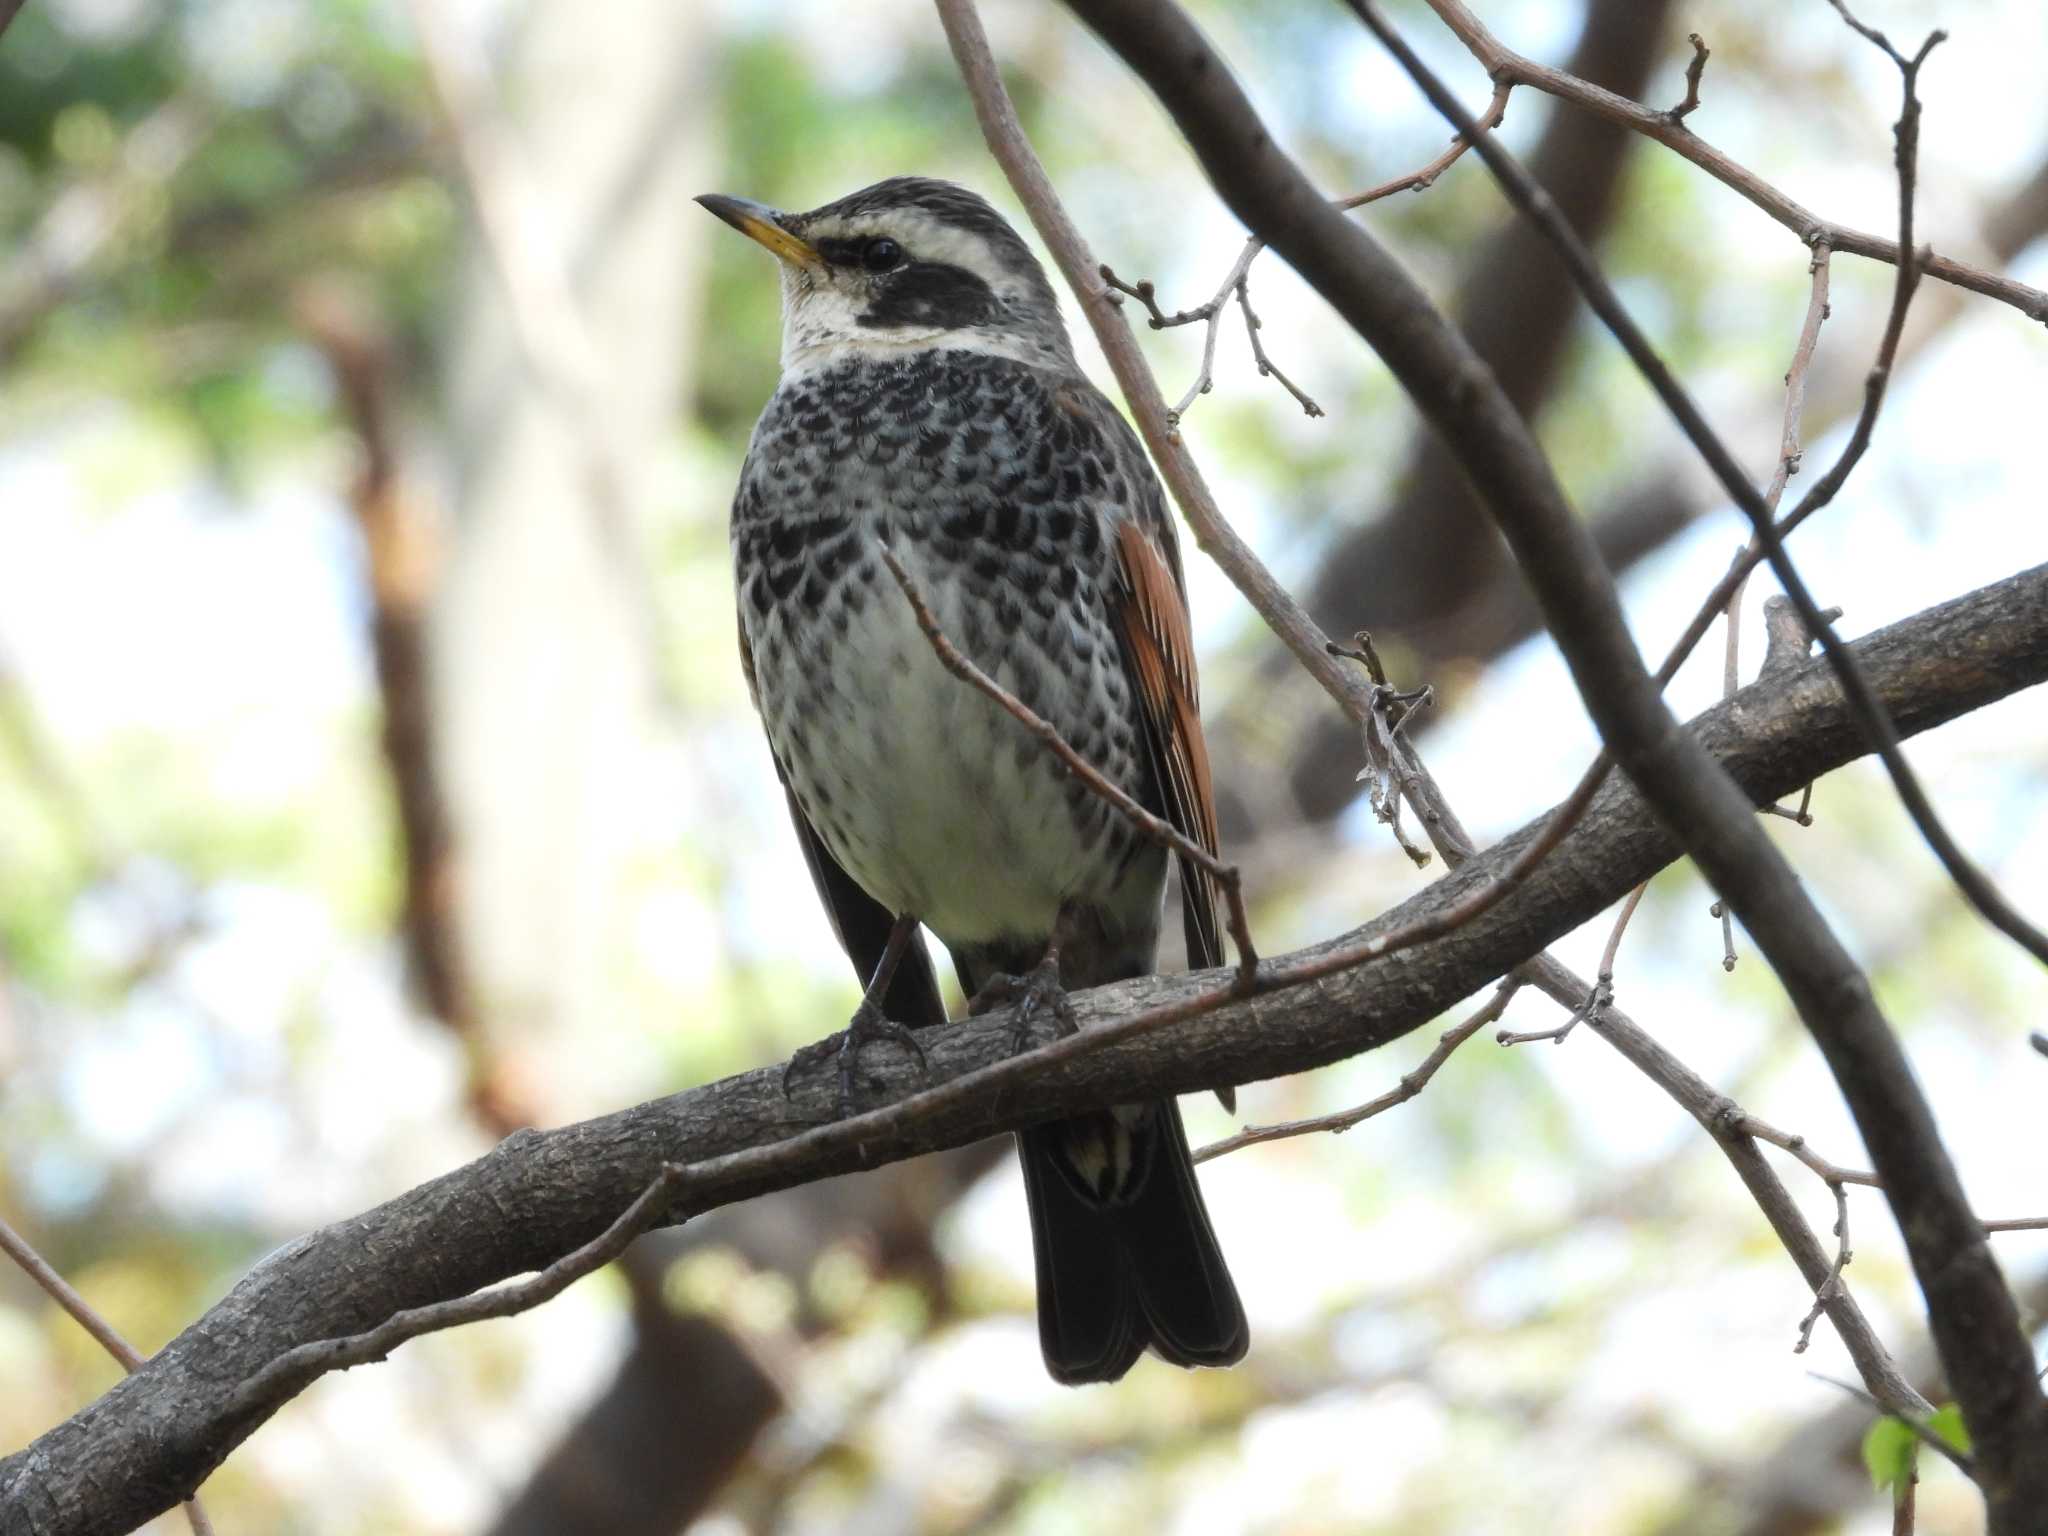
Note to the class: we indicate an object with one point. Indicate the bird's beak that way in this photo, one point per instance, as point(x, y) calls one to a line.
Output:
point(760, 223)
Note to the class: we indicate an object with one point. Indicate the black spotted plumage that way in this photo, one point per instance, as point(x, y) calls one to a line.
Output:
point(930, 403)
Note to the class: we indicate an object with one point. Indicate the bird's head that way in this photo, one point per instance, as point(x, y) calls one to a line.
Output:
point(905, 265)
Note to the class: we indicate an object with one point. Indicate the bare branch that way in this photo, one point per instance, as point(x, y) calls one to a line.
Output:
point(1832, 1286)
point(1972, 1310)
point(1600, 996)
point(1789, 454)
point(1834, 1175)
point(1410, 1085)
point(1391, 711)
point(59, 1290)
point(1714, 1112)
point(1252, 325)
point(1504, 64)
point(1693, 71)
point(1236, 280)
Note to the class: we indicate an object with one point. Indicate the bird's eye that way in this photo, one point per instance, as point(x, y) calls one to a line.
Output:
point(881, 255)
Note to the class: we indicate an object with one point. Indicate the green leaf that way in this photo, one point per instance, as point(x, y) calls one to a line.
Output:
point(1947, 1423)
point(1889, 1444)
point(1888, 1453)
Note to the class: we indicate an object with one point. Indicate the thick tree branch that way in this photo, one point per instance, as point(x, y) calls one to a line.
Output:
point(540, 1194)
point(1969, 1306)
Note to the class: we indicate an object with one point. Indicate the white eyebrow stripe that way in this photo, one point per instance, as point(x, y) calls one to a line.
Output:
point(930, 239)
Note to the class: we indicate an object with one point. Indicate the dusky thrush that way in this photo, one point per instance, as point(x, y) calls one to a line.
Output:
point(930, 403)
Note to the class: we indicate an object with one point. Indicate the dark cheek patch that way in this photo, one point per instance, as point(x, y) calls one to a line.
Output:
point(930, 296)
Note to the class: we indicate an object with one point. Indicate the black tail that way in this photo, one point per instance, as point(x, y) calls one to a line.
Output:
point(1137, 1267)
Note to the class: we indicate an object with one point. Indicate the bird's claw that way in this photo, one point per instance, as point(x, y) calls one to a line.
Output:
point(867, 1026)
point(1037, 990)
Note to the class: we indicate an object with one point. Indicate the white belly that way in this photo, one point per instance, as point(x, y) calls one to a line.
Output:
point(933, 798)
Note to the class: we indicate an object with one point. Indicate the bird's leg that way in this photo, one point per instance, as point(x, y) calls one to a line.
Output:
point(1038, 990)
point(868, 1023)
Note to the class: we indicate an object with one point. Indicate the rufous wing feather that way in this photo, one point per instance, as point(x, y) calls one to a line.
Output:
point(1161, 654)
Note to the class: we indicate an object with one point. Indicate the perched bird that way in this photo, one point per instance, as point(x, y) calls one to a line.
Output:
point(930, 403)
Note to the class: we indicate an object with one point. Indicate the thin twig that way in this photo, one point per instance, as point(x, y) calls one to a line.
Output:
point(1790, 452)
point(1411, 1084)
point(1236, 280)
point(1693, 71)
point(1838, 1179)
point(1833, 1284)
point(299, 1365)
point(1392, 709)
point(60, 1290)
point(1827, 1172)
point(1155, 828)
point(104, 1333)
point(1600, 996)
point(1252, 326)
point(1503, 64)
point(1012, 150)
point(1873, 35)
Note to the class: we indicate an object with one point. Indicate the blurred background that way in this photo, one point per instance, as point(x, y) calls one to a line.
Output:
point(376, 775)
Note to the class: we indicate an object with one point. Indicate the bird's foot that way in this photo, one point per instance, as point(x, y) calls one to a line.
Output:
point(867, 1026)
point(1038, 990)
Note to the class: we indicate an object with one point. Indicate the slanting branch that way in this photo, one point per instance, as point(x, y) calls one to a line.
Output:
point(538, 1195)
point(1969, 1306)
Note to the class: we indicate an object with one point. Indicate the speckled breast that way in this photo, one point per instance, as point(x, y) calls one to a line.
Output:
point(998, 501)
